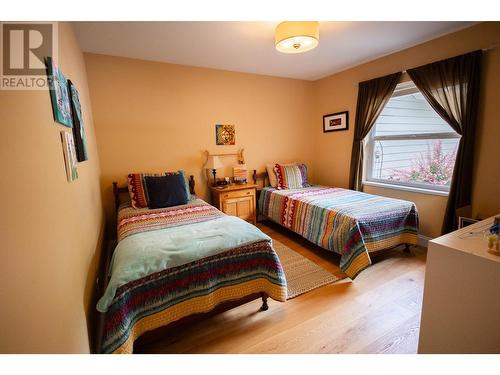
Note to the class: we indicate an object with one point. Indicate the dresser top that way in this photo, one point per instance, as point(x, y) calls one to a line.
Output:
point(470, 239)
point(233, 187)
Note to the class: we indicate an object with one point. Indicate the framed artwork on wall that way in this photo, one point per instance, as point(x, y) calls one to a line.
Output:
point(224, 134)
point(69, 152)
point(59, 94)
point(336, 121)
point(78, 127)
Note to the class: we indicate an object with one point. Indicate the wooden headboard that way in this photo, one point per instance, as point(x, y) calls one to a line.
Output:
point(262, 176)
point(117, 190)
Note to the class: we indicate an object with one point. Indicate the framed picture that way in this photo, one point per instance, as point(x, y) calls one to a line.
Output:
point(78, 128)
point(464, 221)
point(336, 121)
point(69, 156)
point(224, 134)
point(59, 94)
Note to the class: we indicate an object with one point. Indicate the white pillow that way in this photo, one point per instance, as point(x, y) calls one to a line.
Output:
point(273, 180)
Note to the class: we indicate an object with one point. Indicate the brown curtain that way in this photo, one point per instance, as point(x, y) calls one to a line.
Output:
point(451, 87)
point(372, 97)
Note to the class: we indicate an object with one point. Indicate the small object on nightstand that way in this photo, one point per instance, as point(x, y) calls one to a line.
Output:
point(236, 200)
point(240, 174)
point(221, 182)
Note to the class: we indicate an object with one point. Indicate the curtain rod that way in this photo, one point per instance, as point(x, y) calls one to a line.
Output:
point(490, 48)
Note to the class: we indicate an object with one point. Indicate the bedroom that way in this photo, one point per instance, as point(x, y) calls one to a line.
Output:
point(151, 114)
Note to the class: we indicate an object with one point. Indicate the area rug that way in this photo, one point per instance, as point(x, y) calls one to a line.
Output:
point(301, 274)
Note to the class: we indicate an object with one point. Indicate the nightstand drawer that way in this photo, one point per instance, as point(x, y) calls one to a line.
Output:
point(237, 193)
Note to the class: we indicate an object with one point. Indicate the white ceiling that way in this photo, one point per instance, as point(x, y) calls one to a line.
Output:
point(249, 46)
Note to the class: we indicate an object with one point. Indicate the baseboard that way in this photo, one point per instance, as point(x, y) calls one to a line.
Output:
point(423, 240)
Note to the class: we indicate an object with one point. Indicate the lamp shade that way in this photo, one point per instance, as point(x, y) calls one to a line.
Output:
point(213, 163)
point(297, 36)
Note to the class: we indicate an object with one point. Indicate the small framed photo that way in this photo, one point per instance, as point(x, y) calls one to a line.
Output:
point(69, 152)
point(465, 221)
point(336, 121)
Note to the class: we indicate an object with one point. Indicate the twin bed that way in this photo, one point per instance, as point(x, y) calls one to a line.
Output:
point(173, 263)
point(350, 223)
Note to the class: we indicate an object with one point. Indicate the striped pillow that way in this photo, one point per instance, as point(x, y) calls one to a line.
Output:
point(271, 174)
point(137, 187)
point(291, 176)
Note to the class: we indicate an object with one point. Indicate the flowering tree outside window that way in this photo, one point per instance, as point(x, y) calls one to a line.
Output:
point(434, 167)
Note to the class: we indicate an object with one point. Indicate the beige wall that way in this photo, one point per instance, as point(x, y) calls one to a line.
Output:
point(155, 117)
point(50, 229)
point(339, 93)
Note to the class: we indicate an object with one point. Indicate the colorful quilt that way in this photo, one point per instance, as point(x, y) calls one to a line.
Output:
point(198, 285)
point(347, 222)
point(137, 220)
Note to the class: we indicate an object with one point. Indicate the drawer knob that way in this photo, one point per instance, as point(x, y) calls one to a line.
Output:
point(248, 193)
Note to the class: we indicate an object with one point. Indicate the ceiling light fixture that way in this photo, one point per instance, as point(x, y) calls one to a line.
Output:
point(297, 36)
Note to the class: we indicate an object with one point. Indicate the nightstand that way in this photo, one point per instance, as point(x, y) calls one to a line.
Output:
point(236, 200)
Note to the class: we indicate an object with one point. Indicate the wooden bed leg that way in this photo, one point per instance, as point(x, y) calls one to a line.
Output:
point(264, 306)
point(407, 249)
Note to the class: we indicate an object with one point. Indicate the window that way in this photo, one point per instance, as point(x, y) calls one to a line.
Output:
point(410, 145)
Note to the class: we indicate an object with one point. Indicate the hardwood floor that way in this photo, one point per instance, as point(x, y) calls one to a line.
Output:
point(377, 313)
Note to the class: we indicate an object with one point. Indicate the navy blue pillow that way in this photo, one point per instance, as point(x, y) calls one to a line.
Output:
point(166, 191)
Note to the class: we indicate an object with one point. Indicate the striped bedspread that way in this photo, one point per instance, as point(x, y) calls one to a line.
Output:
point(198, 286)
point(137, 220)
point(347, 222)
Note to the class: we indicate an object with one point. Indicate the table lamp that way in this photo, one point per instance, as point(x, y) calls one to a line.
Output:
point(213, 163)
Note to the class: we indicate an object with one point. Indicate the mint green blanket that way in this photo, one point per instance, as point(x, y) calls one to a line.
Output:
point(145, 253)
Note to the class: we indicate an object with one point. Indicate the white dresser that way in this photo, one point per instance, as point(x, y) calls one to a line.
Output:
point(461, 304)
